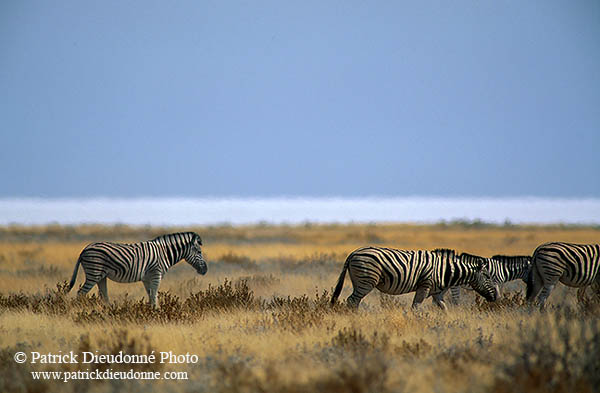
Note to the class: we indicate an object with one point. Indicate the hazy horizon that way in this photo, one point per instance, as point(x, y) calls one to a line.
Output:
point(297, 210)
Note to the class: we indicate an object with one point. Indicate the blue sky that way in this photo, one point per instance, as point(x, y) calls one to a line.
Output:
point(348, 98)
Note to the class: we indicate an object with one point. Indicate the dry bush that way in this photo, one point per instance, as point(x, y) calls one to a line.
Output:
point(226, 296)
point(259, 280)
point(119, 340)
point(52, 302)
point(15, 377)
point(321, 301)
point(127, 310)
point(590, 305)
point(464, 353)
point(391, 302)
point(91, 309)
point(299, 313)
point(348, 376)
point(560, 354)
point(416, 350)
point(352, 340)
point(508, 301)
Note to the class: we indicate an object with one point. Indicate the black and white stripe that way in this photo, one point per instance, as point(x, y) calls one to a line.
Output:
point(502, 268)
point(428, 273)
point(147, 261)
point(575, 265)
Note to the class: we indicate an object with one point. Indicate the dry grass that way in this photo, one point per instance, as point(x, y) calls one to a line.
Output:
point(260, 320)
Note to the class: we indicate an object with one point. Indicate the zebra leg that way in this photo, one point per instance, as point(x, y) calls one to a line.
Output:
point(422, 293)
point(357, 295)
point(454, 295)
point(89, 283)
point(534, 285)
point(362, 285)
point(354, 300)
point(544, 295)
point(549, 280)
point(103, 290)
point(439, 300)
point(147, 287)
point(151, 282)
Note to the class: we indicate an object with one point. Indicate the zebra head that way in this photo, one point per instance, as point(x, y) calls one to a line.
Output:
point(194, 255)
point(483, 284)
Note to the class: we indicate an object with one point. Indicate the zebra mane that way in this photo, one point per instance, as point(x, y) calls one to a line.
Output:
point(512, 257)
point(445, 251)
point(188, 236)
point(467, 258)
point(466, 254)
point(513, 261)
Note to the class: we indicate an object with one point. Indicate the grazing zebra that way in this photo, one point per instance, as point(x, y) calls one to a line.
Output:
point(401, 271)
point(575, 265)
point(146, 261)
point(502, 268)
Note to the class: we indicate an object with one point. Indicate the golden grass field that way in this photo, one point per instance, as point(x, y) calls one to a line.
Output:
point(259, 321)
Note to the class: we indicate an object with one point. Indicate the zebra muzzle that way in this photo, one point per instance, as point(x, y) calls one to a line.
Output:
point(202, 268)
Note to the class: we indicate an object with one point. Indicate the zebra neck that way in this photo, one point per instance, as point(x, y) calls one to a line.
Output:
point(175, 252)
point(463, 273)
point(457, 273)
point(511, 268)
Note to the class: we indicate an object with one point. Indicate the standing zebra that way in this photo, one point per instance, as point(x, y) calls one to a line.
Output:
point(575, 265)
point(146, 261)
point(502, 268)
point(401, 271)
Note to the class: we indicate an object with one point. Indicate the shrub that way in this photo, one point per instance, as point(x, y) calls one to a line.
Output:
point(15, 377)
point(223, 297)
point(120, 340)
point(348, 376)
point(569, 363)
point(299, 313)
point(508, 301)
point(259, 280)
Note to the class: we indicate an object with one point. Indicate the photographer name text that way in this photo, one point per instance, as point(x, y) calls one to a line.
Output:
point(103, 358)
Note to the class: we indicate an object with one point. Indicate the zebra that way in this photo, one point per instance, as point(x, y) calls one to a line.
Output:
point(428, 273)
point(146, 261)
point(502, 268)
point(575, 265)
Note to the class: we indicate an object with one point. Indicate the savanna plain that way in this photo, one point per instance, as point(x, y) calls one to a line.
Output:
point(260, 319)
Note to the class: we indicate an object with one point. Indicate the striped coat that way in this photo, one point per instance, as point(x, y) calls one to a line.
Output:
point(147, 261)
point(427, 273)
point(502, 268)
point(575, 265)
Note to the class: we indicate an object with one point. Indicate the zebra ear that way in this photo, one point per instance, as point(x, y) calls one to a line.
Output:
point(480, 265)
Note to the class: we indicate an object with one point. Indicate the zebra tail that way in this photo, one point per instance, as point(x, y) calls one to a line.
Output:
point(340, 283)
point(74, 278)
